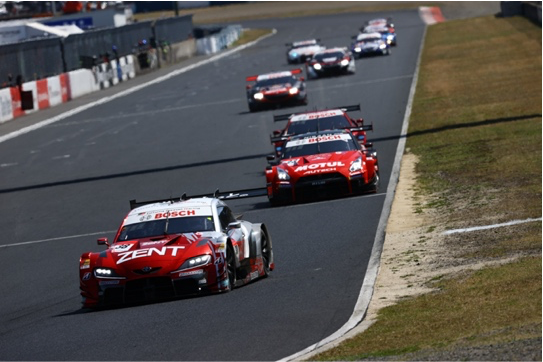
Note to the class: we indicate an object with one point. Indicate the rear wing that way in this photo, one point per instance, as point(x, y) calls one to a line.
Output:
point(253, 78)
point(284, 117)
point(222, 195)
point(366, 127)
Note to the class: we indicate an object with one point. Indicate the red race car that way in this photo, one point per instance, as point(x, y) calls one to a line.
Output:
point(330, 62)
point(321, 120)
point(321, 165)
point(276, 89)
point(176, 247)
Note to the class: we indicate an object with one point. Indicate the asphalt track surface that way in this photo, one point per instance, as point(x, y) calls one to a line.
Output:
point(64, 185)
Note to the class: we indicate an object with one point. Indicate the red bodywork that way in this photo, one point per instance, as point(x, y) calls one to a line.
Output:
point(172, 264)
point(321, 120)
point(322, 175)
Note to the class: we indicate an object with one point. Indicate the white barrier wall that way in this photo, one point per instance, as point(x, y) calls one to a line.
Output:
point(6, 111)
point(82, 81)
point(54, 90)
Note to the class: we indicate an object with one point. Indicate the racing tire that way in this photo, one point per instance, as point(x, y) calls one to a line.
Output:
point(375, 182)
point(266, 253)
point(231, 267)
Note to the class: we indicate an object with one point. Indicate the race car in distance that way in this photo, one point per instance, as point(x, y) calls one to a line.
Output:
point(321, 165)
point(369, 44)
point(380, 22)
point(276, 89)
point(172, 248)
point(300, 51)
point(333, 61)
point(388, 33)
point(321, 120)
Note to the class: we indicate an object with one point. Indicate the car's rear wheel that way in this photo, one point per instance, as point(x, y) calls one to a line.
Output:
point(231, 267)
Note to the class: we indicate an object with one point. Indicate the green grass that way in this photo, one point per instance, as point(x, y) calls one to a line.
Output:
point(476, 129)
point(484, 307)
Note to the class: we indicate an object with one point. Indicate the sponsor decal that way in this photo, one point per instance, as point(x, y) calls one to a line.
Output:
point(273, 75)
point(202, 281)
point(120, 248)
point(321, 165)
point(321, 139)
point(189, 273)
point(254, 275)
point(175, 213)
point(143, 253)
point(109, 282)
point(316, 115)
point(149, 243)
point(86, 276)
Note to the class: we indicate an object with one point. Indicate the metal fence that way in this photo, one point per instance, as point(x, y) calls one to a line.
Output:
point(45, 57)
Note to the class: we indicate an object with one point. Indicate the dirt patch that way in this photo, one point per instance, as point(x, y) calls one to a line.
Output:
point(415, 251)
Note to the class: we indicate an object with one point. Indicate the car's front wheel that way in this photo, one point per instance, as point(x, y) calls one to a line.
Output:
point(231, 267)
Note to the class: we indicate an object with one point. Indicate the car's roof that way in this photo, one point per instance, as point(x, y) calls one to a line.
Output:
point(192, 207)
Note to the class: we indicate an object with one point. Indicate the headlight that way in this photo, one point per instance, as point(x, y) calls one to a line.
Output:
point(282, 174)
point(258, 96)
point(293, 55)
point(345, 62)
point(317, 66)
point(382, 46)
point(107, 273)
point(293, 90)
point(196, 261)
point(356, 166)
point(358, 49)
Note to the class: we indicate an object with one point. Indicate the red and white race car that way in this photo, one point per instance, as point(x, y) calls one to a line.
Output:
point(175, 247)
point(321, 165)
point(319, 120)
point(276, 89)
point(331, 62)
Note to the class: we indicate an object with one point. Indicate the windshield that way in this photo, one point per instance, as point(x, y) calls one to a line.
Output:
point(299, 150)
point(169, 226)
point(320, 57)
point(369, 40)
point(276, 81)
point(318, 124)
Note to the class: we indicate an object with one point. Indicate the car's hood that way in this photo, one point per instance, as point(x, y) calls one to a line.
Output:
point(158, 252)
point(321, 163)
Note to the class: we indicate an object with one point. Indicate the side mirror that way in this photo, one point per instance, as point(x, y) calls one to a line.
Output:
point(302, 79)
point(102, 241)
point(248, 86)
point(234, 225)
point(277, 132)
point(270, 158)
point(360, 122)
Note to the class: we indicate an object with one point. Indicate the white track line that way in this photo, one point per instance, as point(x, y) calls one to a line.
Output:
point(58, 238)
point(476, 228)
